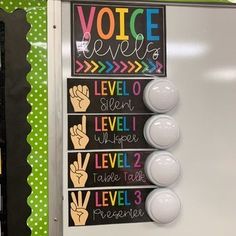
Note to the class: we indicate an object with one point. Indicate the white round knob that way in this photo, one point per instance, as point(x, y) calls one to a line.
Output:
point(161, 131)
point(160, 95)
point(162, 168)
point(163, 206)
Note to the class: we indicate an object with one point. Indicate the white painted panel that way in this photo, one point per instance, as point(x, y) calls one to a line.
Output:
point(201, 61)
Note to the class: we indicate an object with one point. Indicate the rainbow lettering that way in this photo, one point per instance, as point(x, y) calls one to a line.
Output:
point(116, 88)
point(114, 123)
point(109, 198)
point(111, 160)
point(117, 19)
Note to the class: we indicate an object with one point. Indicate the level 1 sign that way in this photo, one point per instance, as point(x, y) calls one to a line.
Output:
point(106, 132)
point(116, 39)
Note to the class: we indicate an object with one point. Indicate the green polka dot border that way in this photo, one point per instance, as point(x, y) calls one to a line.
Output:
point(38, 98)
point(38, 117)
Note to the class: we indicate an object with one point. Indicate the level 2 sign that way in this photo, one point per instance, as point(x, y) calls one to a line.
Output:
point(116, 168)
point(108, 38)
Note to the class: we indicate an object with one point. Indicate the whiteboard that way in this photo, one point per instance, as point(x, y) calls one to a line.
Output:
point(201, 56)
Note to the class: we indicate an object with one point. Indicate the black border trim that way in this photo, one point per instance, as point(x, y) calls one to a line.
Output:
point(17, 128)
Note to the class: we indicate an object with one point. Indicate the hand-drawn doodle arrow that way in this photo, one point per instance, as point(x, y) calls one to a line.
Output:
point(132, 66)
point(124, 67)
point(153, 66)
point(145, 65)
point(103, 67)
point(159, 67)
point(117, 66)
point(95, 66)
point(88, 66)
point(110, 67)
point(80, 66)
point(139, 67)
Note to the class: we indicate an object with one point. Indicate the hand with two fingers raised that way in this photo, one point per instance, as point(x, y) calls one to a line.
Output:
point(78, 174)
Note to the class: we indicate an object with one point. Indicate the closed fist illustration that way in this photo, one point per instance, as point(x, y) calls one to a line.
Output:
point(79, 97)
point(78, 135)
point(78, 173)
point(78, 211)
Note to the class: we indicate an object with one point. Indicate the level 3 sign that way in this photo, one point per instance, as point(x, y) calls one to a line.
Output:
point(96, 207)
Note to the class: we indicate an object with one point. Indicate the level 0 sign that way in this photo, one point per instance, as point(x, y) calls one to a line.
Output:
point(116, 39)
point(106, 95)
